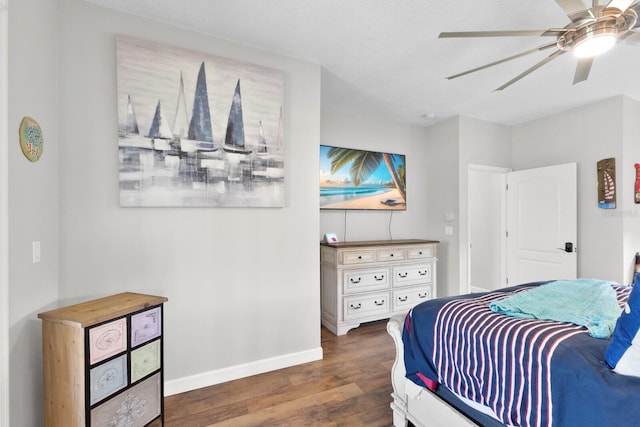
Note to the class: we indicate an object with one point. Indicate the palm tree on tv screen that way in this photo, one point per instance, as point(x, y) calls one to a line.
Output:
point(364, 164)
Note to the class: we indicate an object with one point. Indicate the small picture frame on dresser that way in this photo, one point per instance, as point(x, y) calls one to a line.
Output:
point(331, 238)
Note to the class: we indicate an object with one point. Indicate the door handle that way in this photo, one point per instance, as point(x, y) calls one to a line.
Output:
point(568, 247)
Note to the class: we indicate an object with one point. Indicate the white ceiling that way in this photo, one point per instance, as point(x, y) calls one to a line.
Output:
point(382, 58)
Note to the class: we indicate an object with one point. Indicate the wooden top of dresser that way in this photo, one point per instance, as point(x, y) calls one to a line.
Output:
point(357, 244)
point(99, 310)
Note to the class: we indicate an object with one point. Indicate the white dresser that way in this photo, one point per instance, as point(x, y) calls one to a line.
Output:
point(372, 280)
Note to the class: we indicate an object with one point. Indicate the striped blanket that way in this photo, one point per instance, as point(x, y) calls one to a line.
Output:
point(502, 362)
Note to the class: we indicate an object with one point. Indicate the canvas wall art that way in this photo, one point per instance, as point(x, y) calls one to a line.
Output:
point(196, 129)
point(362, 179)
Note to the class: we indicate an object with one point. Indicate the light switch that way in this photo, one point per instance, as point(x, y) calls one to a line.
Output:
point(448, 230)
point(36, 251)
point(449, 216)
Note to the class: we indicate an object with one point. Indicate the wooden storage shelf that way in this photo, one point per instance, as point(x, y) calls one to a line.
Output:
point(102, 362)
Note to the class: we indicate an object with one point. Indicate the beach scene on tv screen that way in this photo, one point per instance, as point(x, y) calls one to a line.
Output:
point(360, 179)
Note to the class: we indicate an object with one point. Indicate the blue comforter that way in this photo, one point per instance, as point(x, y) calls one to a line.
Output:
point(582, 390)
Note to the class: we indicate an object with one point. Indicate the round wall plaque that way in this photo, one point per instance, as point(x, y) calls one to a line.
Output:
point(31, 139)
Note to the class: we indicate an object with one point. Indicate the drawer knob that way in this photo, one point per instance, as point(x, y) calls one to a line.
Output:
point(355, 307)
point(379, 302)
point(352, 280)
point(420, 253)
point(379, 278)
point(422, 273)
point(359, 256)
point(403, 275)
point(391, 255)
point(422, 295)
point(403, 299)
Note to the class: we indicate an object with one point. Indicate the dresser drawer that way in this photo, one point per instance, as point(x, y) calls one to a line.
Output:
point(107, 340)
point(405, 275)
point(365, 280)
point(135, 407)
point(421, 252)
point(358, 306)
point(391, 254)
point(406, 298)
point(358, 257)
point(108, 378)
point(145, 360)
point(146, 326)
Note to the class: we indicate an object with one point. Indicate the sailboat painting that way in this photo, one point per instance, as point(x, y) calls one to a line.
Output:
point(195, 129)
point(607, 184)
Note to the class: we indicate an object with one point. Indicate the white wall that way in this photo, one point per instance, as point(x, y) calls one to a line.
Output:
point(452, 145)
point(630, 211)
point(442, 186)
point(4, 218)
point(607, 239)
point(349, 131)
point(33, 199)
point(242, 284)
point(437, 159)
point(586, 135)
point(481, 143)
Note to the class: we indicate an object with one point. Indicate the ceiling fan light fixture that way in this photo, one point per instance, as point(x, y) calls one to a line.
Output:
point(593, 46)
point(594, 38)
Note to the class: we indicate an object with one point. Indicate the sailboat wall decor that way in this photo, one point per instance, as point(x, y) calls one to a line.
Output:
point(607, 183)
point(181, 121)
point(234, 138)
point(131, 126)
point(200, 124)
point(261, 149)
point(205, 131)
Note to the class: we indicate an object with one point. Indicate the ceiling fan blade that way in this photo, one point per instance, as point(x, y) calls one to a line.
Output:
point(630, 37)
point(636, 8)
point(500, 61)
point(555, 32)
point(582, 69)
point(530, 70)
point(621, 5)
point(573, 8)
point(515, 33)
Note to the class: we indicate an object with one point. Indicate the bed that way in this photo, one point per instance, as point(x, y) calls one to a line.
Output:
point(537, 373)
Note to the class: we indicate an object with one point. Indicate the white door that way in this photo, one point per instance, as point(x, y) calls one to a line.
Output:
point(487, 228)
point(542, 224)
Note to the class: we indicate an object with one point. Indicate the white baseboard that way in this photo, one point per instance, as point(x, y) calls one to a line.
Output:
point(206, 379)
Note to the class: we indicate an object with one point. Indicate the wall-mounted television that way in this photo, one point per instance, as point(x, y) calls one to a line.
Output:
point(361, 179)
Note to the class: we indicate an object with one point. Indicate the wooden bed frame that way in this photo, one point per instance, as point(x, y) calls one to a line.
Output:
point(412, 403)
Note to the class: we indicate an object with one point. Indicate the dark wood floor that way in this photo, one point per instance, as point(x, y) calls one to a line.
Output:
point(351, 386)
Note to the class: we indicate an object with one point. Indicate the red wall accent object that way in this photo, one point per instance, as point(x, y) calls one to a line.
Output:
point(637, 165)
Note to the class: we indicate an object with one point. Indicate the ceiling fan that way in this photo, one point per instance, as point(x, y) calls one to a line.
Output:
point(591, 31)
